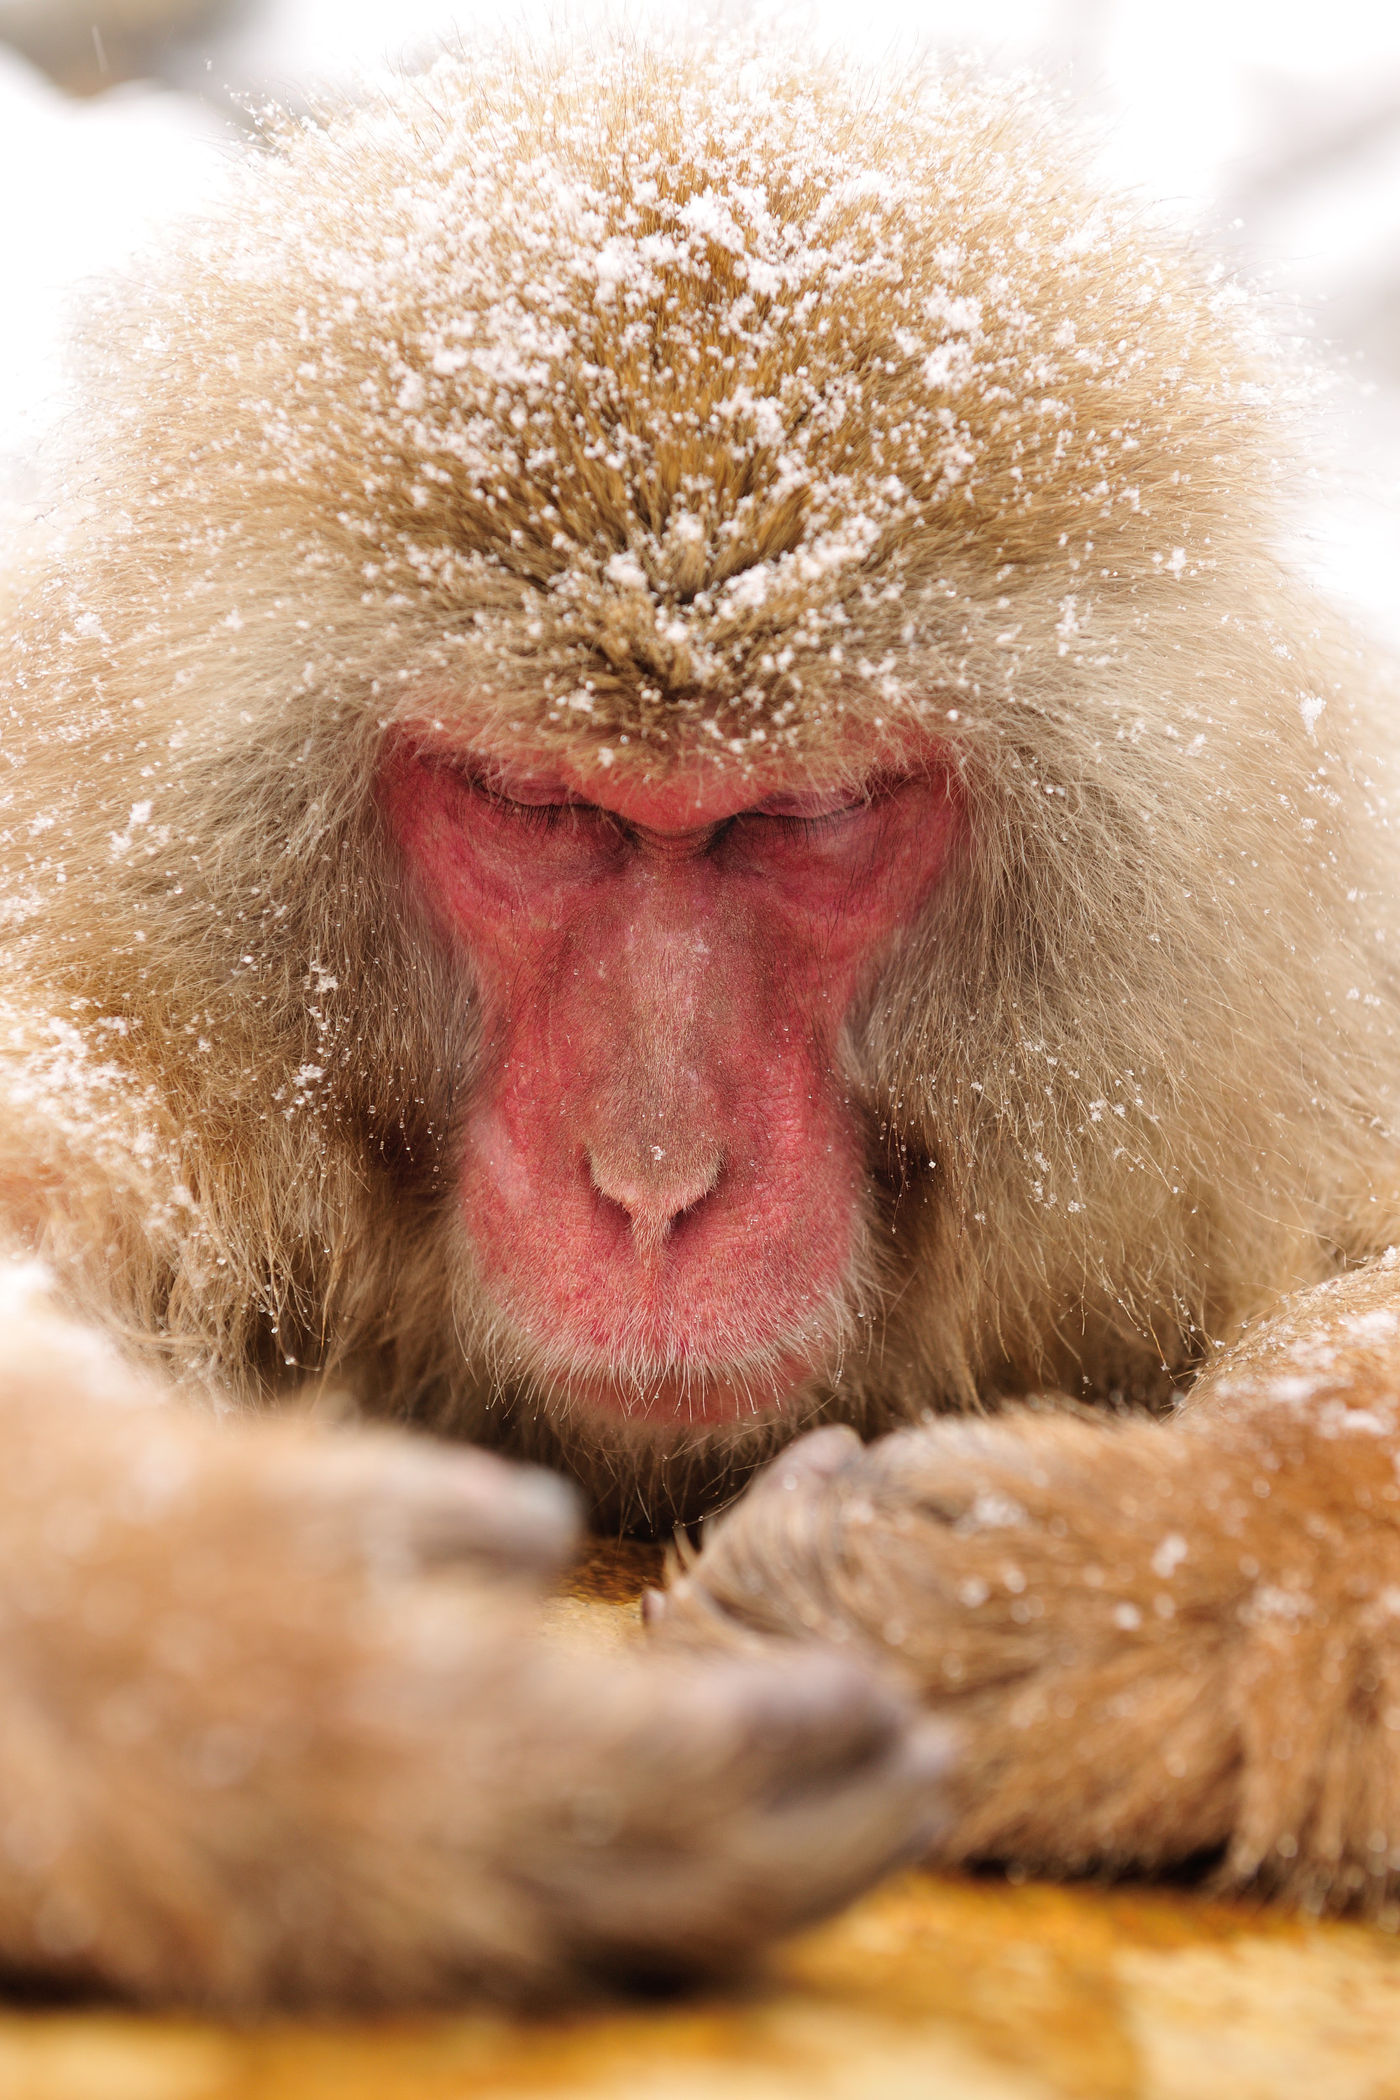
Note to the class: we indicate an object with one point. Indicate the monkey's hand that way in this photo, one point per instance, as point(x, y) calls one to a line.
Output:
point(256, 1749)
point(1158, 1639)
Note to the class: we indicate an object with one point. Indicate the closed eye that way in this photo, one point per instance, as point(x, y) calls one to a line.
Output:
point(536, 816)
point(534, 805)
point(815, 808)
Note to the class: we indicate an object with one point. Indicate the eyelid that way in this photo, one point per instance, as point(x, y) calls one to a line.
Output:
point(521, 792)
point(811, 809)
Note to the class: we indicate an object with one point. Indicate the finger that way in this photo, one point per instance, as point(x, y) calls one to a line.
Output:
point(805, 1777)
point(410, 1505)
point(469, 1504)
point(820, 1455)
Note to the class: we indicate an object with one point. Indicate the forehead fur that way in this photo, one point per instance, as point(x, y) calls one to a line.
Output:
point(738, 378)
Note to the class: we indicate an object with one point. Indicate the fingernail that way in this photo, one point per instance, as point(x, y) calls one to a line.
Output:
point(820, 1455)
point(653, 1607)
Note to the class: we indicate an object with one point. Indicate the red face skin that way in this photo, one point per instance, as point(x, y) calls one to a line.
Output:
point(662, 1177)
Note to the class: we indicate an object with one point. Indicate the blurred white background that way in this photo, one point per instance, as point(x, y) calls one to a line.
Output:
point(1276, 126)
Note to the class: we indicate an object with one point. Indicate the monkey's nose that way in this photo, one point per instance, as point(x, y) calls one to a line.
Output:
point(654, 1190)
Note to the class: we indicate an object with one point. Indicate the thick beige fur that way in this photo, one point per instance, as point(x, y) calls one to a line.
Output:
point(678, 409)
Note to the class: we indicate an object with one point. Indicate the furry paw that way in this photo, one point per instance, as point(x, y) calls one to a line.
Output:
point(257, 1752)
point(1151, 1637)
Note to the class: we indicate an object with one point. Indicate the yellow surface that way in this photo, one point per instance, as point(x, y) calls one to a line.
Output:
point(936, 1988)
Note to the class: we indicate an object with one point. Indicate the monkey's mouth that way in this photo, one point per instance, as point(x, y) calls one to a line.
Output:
point(664, 1383)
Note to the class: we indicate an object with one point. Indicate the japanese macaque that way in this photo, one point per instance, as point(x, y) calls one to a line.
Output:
point(664, 784)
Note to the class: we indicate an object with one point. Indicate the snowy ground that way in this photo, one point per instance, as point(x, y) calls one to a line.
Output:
point(1280, 124)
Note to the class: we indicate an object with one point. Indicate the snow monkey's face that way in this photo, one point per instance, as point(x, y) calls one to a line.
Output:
point(674, 478)
point(663, 1176)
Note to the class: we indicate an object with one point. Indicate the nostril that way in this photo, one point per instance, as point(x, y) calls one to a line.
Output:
point(654, 1192)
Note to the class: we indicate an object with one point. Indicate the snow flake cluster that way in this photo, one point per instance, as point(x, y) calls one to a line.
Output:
point(732, 384)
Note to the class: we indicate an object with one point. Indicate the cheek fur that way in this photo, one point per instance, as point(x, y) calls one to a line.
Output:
point(661, 1176)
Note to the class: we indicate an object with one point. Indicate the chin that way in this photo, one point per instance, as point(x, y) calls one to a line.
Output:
point(687, 1396)
point(662, 1395)
point(646, 1466)
point(653, 1438)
